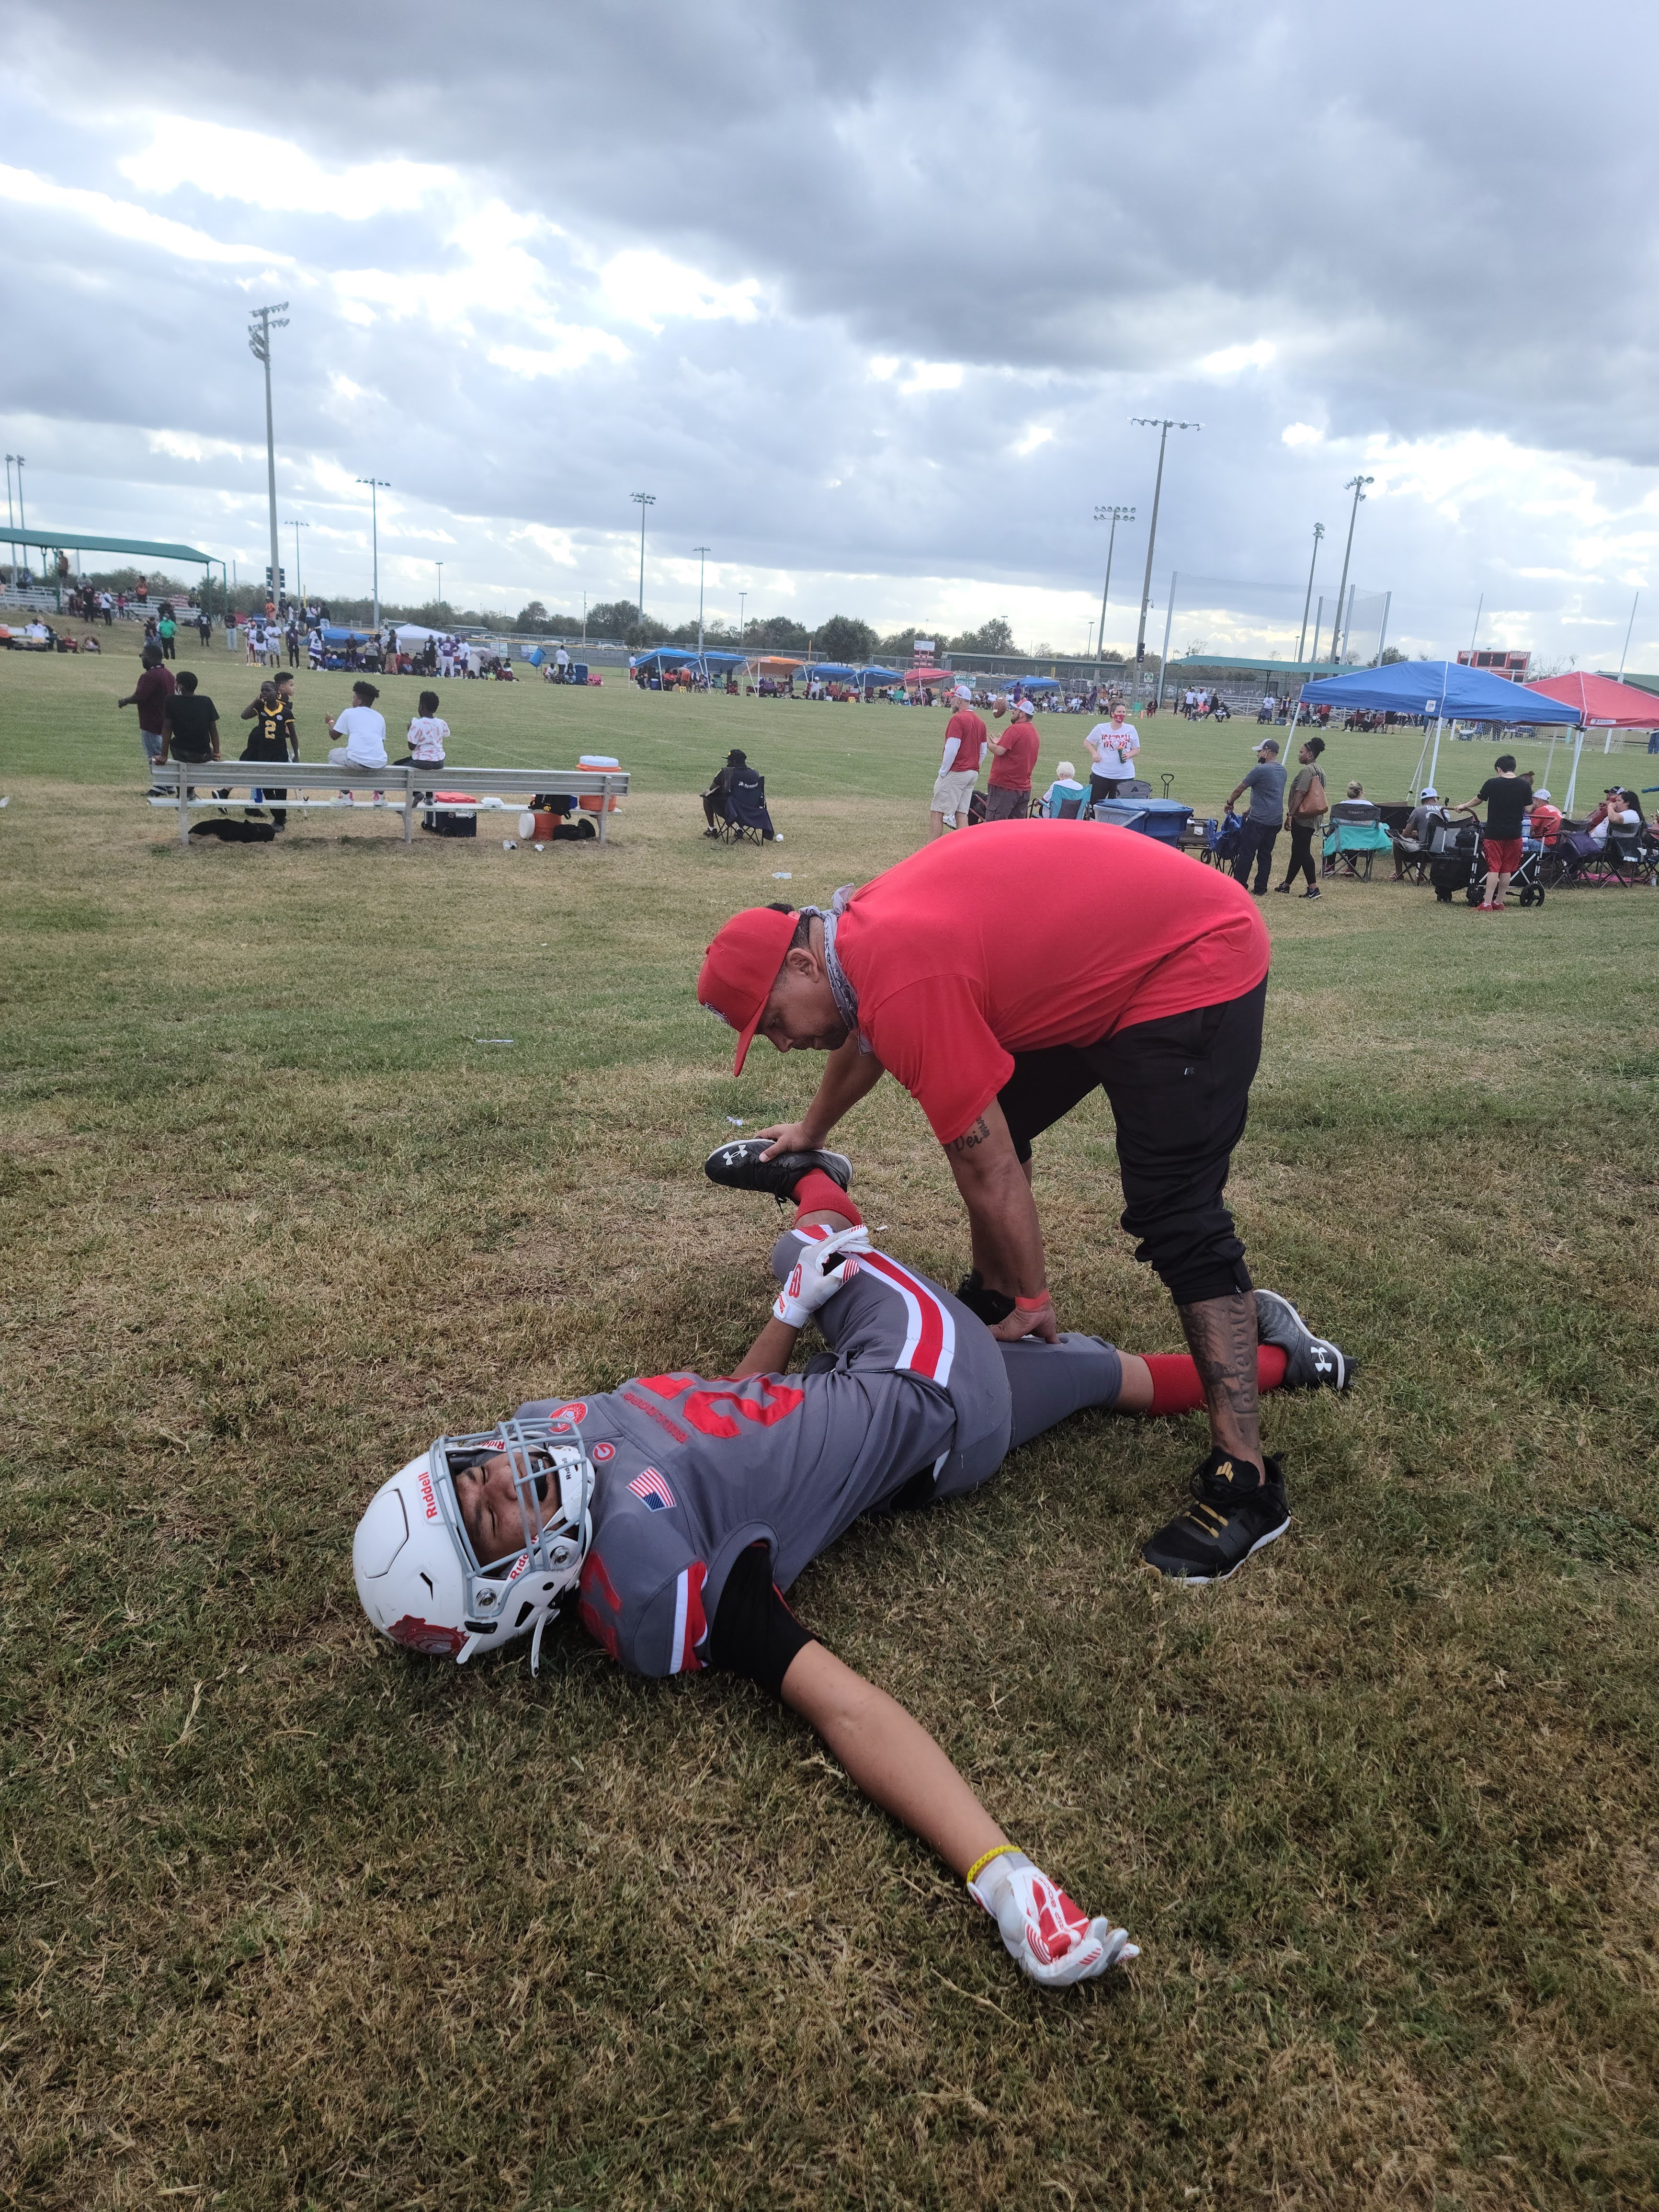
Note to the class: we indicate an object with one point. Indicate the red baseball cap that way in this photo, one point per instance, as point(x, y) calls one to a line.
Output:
point(740, 968)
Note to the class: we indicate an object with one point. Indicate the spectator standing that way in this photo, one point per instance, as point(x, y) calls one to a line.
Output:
point(190, 732)
point(1306, 804)
point(965, 740)
point(167, 632)
point(1008, 787)
point(274, 736)
point(364, 729)
point(562, 662)
point(150, 695)
point(1506, 797)
point(428, 734)
point(1265, 816)
point(204, 625)
point(1113, 746)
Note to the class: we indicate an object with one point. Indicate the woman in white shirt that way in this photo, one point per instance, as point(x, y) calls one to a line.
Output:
point(364, 729)
point(1112, 747)
point(1624, 813)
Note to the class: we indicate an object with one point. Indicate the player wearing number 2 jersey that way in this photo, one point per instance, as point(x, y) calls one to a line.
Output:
point(678, 1508)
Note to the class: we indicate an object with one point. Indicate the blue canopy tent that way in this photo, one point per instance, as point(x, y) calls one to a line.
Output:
point(832, 671)
point(1038, 684)
point(659, 661)
point(333, 635)
point(722, 660)
point(1444, 688)
point(880, 676)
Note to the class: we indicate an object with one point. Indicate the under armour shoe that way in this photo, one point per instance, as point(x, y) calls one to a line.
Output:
point(991, 1306)
point(739, 1167)
point(1312, 1363)
point(1230, 1517)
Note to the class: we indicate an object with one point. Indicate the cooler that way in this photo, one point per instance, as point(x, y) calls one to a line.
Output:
point(592, 802)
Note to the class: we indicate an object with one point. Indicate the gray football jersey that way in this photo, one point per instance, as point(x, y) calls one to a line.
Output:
point(691, 1471)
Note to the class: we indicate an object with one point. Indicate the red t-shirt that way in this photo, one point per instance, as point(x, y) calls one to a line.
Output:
point(1011, 770)
point(150, 695)
point(1033, 934)
point(968, 732)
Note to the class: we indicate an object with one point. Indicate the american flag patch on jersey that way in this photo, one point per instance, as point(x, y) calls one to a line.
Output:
point(649, 1485)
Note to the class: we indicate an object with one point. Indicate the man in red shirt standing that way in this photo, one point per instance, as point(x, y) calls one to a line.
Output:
point(150, 695)
point(958, 769)
point(1008, 787)
point(1002, 979)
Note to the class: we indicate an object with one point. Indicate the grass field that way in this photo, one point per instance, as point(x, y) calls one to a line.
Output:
point(293, 1921)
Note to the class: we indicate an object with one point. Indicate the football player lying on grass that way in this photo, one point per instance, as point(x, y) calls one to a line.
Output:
point(677, 1509)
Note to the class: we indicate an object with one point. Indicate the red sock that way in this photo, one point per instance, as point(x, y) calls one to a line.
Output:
point(817, 1193)
point(1178, 1389)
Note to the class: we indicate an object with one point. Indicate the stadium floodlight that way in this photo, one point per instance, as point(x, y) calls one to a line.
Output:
point(642, 499)
point(439, 566)
point(296, 527)
point(1319, 532)
point(1357, 486)
point(1163, 424)
point(262, 323)
point(1114, 515)
point(702, 553)
point(376, 485)
point(743, 601)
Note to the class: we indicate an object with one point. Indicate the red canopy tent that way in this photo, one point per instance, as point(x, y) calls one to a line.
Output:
point(1605, 703)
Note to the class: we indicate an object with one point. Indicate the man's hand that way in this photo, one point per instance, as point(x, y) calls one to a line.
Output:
point(788, 1137)
point(1027, 1321)
point(818, 1274)
point(1051, 1939)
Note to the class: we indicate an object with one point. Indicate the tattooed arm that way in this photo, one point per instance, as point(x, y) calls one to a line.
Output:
point(1007, 1237)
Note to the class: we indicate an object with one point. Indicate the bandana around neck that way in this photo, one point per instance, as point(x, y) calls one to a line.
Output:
point(846, 998)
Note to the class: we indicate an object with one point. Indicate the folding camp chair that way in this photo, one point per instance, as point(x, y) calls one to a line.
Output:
point(1355, 838)
point(744, 816)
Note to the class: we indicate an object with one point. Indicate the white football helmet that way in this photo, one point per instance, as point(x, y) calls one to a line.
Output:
point(420, 1582)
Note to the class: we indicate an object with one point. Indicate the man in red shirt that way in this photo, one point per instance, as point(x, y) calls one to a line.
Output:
point(1002, 979)
point(1008, 787)
point(958, 769)
point(150, 695)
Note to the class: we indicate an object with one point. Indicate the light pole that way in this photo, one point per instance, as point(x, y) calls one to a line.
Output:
point(376, 486)
point(702, 553)
point(642, 500)
point(1357, 486)
point(1163, 424)
point(264, 321)
point(1319, 532)
point(743, 598)
point(296, 527)
point(13, 523)
point(1114, 515)
point(439, 566)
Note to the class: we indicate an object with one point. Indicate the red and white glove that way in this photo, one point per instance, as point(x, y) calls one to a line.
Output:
point(811, 1283)
point(1055, 1941)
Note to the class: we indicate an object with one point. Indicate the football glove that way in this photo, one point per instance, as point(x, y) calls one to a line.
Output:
point(819, 1274)
point(1055, 1941)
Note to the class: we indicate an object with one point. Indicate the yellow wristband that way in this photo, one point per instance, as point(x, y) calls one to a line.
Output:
point(980, 1863)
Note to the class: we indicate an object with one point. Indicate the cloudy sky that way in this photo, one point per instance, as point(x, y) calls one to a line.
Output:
point(865, 295)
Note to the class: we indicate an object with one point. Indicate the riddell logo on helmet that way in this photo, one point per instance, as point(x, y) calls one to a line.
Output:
point(427, 1492)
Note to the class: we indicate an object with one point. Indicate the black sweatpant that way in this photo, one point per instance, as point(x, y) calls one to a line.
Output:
point(1180, 1093)
point(1302, 861)
point(1256, 844)
point(256, 751)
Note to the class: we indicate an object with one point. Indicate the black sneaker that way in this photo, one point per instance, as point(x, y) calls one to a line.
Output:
point(1312, 1363)
point(1230, 1518)
point(739, 1167)
point(991, 1306)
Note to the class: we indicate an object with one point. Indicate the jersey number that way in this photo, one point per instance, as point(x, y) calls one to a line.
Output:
point(701, 1409)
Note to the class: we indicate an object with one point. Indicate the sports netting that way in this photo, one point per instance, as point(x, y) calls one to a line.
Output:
point(1216, 616)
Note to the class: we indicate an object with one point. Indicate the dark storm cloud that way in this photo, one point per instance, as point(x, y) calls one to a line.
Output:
point(1440, 219)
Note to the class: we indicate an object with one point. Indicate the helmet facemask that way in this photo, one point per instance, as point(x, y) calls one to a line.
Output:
point(421, 1562)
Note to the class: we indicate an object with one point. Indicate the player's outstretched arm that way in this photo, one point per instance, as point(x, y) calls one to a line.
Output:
point(896, 1763)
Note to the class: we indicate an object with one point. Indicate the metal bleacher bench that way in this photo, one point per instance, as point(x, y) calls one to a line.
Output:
point(188, 786)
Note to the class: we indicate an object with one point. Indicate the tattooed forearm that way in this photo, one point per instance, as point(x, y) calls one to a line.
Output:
point(966, 1142)
point(1221, 1336)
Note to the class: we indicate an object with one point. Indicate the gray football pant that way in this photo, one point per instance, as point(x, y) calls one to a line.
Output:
point(1050, 1381)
